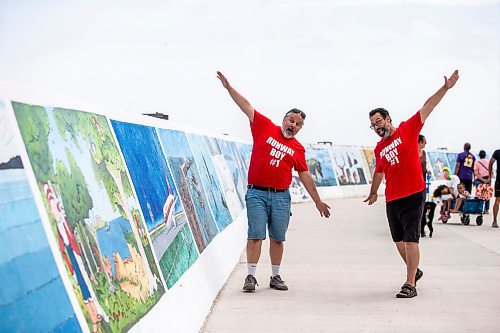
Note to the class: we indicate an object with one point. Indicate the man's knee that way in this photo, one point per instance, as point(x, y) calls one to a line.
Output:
point(410, 245)
point(254, 242)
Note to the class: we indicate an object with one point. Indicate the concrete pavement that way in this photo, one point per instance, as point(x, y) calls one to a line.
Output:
point(343, 275)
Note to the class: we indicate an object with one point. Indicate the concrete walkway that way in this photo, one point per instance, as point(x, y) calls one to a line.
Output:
point(343, 275)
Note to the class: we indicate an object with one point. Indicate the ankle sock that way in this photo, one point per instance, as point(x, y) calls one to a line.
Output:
point(251, 269)
point(275, 270)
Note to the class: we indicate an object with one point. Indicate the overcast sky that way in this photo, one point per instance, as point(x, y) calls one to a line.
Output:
point(336, 60)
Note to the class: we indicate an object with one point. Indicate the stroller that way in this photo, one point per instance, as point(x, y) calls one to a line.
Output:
point(472, 206)
point(476, 205)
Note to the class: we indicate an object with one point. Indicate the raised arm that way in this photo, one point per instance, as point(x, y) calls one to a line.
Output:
point(434, 100)
point(310, 186)
point(241, 101)
point(373, 196)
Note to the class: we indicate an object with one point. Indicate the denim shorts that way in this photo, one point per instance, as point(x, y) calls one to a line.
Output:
point(267, 209)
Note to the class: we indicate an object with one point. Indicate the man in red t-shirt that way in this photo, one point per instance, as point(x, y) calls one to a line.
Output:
point(397, 158)
point(275, 152)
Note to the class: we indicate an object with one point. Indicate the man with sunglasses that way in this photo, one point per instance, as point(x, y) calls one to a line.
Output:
point(275, 152)
point(397, 157)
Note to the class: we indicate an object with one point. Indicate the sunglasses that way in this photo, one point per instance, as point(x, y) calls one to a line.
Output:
point(297, 111)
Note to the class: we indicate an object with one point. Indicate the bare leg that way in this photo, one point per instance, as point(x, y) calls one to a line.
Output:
point(412, 261)
point(253, 250)
point(495, 209)
point(458, 203)
point(448, 206)
point(402, 250)
point(276, 251)
point(410, 253)
point(495, 213)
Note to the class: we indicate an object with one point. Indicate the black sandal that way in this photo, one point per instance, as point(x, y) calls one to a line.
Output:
point(407, 291)
point(418, 275)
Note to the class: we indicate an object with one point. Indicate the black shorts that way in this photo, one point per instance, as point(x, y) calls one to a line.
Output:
point(497, 187)
point(404, 217)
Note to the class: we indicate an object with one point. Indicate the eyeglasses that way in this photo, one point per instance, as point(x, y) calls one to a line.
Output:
point(377, 124)
point(297, 111)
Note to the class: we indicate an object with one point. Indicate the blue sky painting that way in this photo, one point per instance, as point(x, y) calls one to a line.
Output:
point(172, 240)
point(320, 166)
point(188, 181)
point(210, 180)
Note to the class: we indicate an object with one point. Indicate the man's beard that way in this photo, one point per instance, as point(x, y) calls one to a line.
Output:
point(287, 133)
point(384, 132)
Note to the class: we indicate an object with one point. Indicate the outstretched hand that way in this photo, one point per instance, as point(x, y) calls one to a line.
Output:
point(323, 209)
point(449, 83)
point(371, 198)
point(223, 80)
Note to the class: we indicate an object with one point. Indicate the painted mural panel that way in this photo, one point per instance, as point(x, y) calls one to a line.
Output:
point(235, 164)
point(358, 165)
point(347, 164)
point(364, 164)
point(33, 297)
point(93, 213)
point(298, 191)
point(438, 161)
point(215, 195)
point(225, 174)
point(159, 199)
point(371, 162)
point(190, 186)
point(246, 153)
point(320, 166)
point(452, 160)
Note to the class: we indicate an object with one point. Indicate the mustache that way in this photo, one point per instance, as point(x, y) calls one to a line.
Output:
point(384, 132)
point(288, 132)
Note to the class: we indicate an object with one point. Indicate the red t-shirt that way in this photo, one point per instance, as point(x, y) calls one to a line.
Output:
point(397, 157)
point(273, 155)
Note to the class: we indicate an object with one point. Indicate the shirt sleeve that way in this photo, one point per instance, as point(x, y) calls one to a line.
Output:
point(414, 123)
point(300, 163)
point(259, 123)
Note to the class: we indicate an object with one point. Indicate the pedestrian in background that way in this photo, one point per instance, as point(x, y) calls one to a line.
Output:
point(464, 167)
point(482, 174)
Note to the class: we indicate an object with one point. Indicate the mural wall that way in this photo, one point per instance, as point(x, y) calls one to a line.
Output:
point(111, 215)
point(319, 163)
point(32, 297)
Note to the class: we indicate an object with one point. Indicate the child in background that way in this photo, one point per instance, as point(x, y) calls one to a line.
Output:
point(462, 195)
point(442, 195)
